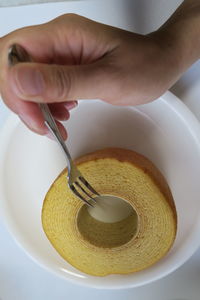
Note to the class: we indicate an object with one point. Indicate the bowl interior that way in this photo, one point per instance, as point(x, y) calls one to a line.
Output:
point(159, 130)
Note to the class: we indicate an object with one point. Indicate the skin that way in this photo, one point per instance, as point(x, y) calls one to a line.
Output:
point(78, 58)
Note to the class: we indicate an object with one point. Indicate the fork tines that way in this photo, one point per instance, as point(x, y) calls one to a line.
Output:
point(79, 188)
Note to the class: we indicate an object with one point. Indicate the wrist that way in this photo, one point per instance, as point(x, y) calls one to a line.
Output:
point(184, 42)
point(170, 54)
point(180, 34)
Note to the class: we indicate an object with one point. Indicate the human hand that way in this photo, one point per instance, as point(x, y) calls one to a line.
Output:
point(78, 58)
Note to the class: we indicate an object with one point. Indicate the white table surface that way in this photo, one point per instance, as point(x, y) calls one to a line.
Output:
point(20, 277)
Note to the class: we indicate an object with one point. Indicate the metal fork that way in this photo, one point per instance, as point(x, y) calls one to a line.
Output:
point(76, 181)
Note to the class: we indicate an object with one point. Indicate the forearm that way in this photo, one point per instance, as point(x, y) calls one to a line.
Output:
point(181, 33)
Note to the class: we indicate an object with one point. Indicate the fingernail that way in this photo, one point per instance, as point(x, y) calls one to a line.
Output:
point(30, 82)
point(71, 105)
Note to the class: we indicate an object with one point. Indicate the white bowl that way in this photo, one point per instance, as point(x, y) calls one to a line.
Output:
point(165, 131)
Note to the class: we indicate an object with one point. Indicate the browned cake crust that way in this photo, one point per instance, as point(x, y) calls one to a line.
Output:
point(130, 176)
point(138, 160)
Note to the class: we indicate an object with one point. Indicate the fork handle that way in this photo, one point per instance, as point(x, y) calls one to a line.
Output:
point(18, 54)
point(52, 126)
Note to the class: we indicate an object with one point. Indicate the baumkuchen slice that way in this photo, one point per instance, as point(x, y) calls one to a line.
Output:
point(129, 245)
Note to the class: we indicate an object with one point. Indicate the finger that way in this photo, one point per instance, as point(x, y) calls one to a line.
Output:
point(59, 107)
point(59, 112)
point(33, 124)
point(61, 129)
point(42, 130)
point(70, 104)
point(56, 83)
point(31, 114)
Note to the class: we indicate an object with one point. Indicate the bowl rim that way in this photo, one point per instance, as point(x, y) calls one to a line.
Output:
point(6, 134)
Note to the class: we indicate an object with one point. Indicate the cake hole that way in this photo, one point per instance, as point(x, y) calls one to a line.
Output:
point(110, 209)
point(111, 223)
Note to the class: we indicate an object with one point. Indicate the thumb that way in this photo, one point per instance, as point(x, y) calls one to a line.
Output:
point(57, 83)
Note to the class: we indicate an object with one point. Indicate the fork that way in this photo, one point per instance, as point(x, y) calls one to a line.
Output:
point(76, 181)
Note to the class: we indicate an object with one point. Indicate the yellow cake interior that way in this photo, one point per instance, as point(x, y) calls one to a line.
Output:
point(130, 245)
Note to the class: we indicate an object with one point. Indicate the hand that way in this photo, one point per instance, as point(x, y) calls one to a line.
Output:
point(78, 58)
